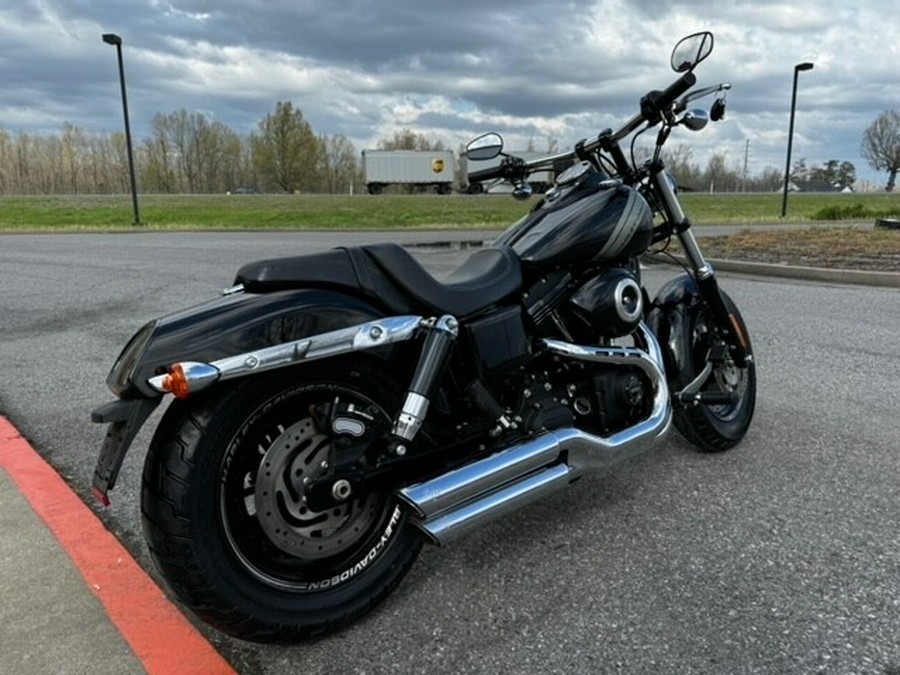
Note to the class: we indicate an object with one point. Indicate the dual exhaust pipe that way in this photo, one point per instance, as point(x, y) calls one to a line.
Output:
point(455, 503)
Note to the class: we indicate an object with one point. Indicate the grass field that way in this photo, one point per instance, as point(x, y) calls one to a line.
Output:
point(364, 212)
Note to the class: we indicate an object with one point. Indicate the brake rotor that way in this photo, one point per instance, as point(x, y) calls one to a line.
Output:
point(298, 456)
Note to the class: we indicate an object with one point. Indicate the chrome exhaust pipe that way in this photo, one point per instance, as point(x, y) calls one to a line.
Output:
point(457, 502)
point(470, 516)
point(451, 489)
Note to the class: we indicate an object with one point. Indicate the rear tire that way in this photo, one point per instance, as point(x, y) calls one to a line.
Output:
point(715, 428)
point(227, 525)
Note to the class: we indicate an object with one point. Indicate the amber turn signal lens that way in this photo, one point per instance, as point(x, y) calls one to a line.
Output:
point(176, 383)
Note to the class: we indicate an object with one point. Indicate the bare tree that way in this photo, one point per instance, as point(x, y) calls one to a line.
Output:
point(234, 168)
point(7, 164)
point(160, 173)
point(718, 176)
point(73, 147)
point(678, 161)
point(770, 180)
point(881, 145)
point(409, 140)
point(340, 165)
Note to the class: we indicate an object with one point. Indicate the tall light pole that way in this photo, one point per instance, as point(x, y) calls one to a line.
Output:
point(113, 39)
point(787, 167)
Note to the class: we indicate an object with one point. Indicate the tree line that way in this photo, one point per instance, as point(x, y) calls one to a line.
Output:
point(186, 152)
point(720, 175)
point(880, 147)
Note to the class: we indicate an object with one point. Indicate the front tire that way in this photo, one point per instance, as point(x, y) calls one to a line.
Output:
point(224, 513)
point(715, 428)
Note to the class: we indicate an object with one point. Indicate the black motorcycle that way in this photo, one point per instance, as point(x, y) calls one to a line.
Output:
point(333, 412)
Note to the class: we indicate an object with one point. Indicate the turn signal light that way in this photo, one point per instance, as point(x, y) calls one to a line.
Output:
point(184, 378)
point(176, 383)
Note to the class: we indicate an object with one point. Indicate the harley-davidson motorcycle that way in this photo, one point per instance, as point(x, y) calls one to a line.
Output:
point(330, 413)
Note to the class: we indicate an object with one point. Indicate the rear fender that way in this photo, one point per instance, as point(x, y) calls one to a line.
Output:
point(229, 325)
point(221, 328)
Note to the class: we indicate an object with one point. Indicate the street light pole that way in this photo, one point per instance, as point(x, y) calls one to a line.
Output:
point(113, 39)
point(787, 168)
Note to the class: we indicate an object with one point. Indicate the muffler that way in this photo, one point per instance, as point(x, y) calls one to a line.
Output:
point(459, 501)
point(455, 503)
point(469, 516)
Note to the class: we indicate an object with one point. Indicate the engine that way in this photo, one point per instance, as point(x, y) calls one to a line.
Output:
point(533, 392)
point(608, 305)
point(599, 399)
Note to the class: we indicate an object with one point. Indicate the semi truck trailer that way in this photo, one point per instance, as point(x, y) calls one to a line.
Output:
point(409, 167)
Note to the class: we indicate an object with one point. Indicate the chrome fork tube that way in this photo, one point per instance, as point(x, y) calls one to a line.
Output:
point(682, 226)
point(705, 275)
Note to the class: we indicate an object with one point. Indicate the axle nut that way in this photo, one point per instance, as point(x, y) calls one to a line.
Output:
point(341, 489)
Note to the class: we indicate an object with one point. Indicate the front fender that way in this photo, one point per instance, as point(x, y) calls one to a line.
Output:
point(670, 322)
point(231, 324)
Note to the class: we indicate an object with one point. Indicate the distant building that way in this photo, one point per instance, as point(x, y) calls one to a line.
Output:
point(816, 186)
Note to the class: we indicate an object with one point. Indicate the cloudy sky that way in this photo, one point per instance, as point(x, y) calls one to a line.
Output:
point(532, 69)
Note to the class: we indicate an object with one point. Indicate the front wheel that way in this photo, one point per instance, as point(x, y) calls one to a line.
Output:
point(715, 427)
point(225, 515)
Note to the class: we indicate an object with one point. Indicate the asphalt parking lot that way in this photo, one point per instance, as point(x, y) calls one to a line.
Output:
point(780, 556)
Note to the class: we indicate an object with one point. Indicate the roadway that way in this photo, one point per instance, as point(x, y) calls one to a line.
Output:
point(780, 556)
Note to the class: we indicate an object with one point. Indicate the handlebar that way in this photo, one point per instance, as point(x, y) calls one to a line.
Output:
point(654, 104)
point(665, 99)
point(486, 174)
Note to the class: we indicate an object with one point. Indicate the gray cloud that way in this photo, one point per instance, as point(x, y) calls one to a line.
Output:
point(531, 69)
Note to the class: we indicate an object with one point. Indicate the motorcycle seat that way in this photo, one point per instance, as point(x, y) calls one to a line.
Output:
point(390, 275)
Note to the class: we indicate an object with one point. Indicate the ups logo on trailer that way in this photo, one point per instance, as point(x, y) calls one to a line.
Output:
point(437, 165)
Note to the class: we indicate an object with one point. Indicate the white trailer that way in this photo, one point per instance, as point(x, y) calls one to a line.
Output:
point(409, 167)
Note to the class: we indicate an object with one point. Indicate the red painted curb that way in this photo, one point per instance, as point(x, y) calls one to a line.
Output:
point(160, 636)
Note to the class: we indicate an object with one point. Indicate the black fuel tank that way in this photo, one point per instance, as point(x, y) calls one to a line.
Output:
point(584, 217)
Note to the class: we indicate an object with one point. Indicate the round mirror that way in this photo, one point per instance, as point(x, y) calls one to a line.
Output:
point(695, 119)
point(484, 147)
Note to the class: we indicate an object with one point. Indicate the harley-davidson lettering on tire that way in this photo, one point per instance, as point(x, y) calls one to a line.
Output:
point(224, 506)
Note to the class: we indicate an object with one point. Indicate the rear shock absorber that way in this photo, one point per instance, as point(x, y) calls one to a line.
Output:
point(441, 334)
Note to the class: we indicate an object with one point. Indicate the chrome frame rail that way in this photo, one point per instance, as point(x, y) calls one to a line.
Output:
point(368, 335)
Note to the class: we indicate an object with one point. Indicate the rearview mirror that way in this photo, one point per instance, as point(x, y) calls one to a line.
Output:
point(485, 147)
point(691, 50)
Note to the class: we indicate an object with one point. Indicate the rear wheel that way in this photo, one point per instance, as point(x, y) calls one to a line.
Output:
point(715, 426)
point(225, 515)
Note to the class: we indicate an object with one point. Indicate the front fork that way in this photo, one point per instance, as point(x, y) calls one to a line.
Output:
point(704, 274)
